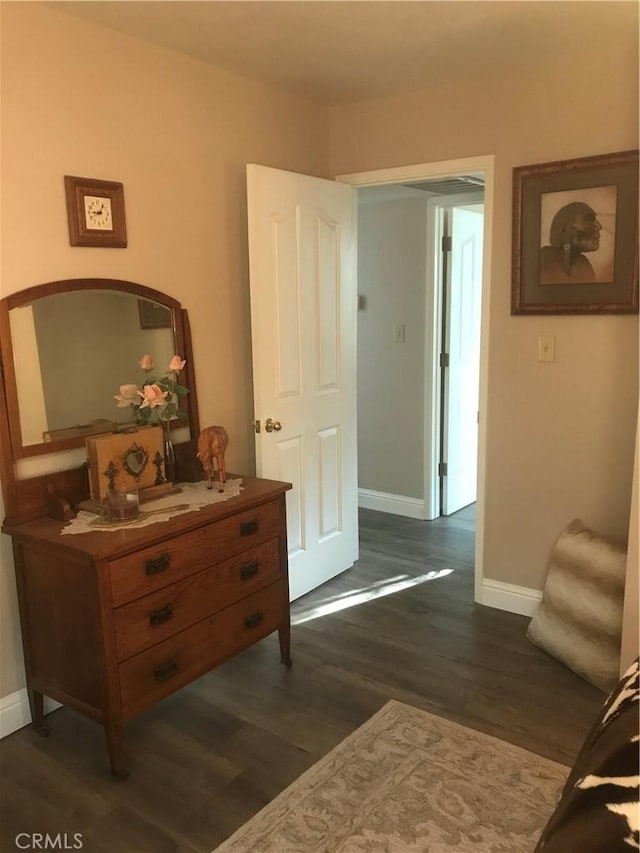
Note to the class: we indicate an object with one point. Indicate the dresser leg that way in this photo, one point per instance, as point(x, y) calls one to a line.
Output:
point(284, 638)
point(115, 745)
point(36, 704)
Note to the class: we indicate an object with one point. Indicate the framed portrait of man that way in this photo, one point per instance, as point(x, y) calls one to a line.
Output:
point(575, 236)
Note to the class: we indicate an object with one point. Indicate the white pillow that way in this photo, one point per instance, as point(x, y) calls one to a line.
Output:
point(579, 620)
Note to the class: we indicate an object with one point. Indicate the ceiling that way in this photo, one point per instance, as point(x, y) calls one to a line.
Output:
point(335, 52)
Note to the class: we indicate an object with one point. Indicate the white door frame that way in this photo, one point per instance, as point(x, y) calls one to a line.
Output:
point(452, 168)
point(435, 286)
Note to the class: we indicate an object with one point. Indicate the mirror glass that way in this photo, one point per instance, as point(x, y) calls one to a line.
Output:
point(72, 352)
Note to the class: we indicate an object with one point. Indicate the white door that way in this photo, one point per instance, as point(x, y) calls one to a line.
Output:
point(302, 257)
point(461, 397)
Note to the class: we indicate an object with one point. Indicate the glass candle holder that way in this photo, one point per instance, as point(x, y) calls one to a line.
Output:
point(123, 505)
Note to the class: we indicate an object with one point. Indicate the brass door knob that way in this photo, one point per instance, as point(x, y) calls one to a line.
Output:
point(272, 426)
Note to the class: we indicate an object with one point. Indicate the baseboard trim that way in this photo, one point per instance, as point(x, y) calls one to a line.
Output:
point(509, 597)
point(394, 504)
point(15, 712)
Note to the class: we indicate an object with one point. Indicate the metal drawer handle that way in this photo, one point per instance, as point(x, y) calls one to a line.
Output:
point(249, 527)
point(162, 614)
point(254, 620)
point(165, 670)
point(249, 570)
point(155, 565)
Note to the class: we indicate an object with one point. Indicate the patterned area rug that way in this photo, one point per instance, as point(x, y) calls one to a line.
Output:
point(409, 782)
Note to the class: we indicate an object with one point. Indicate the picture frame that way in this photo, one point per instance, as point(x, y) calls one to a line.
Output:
point(575, 236)
point(154, 316)
point(95, 212)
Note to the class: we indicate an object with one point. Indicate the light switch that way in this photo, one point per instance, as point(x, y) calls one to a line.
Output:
point(546, 348)
point(398, 333)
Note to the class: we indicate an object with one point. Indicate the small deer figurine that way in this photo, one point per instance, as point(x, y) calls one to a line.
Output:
point(212, 443)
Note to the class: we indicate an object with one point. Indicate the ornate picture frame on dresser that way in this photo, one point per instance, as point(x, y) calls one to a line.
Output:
point(115, 620)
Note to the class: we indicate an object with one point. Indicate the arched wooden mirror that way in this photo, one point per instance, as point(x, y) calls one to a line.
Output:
point(67, 347)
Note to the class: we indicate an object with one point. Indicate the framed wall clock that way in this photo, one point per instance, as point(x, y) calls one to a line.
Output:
point(95, 210)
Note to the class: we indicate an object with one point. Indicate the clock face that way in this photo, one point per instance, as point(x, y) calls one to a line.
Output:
point(97, 213)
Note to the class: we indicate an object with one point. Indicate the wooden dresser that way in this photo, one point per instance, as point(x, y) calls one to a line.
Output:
point(113, 621)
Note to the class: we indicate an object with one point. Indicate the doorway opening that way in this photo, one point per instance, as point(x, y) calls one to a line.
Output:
point(446, 322)
point(452, 366)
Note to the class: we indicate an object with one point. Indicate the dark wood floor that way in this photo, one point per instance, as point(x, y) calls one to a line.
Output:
point(206, 759)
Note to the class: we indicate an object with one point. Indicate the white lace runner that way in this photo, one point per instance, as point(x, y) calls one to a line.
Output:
point(193, 496)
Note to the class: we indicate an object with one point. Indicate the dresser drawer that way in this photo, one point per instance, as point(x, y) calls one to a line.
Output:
point(171, 664)
point(159, 565)
point(148, 620)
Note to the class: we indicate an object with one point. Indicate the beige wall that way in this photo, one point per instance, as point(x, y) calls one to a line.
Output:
point(178, 134)
point(631, 617)
point(560, 436)
point(392, 253)
point(83, 100)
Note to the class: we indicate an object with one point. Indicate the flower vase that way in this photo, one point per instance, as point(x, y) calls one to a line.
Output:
point(169, 455)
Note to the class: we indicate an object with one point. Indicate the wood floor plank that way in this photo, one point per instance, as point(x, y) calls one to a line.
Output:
point(206, 759)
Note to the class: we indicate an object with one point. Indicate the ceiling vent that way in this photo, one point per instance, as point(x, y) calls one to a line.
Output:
point(450, 186)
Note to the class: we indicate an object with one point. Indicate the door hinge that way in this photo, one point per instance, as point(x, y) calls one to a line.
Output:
point(444, 359)
point(255, 426)
point(442, 469)
point(446, 243)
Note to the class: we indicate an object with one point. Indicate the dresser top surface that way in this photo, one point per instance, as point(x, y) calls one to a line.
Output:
point(106, 544)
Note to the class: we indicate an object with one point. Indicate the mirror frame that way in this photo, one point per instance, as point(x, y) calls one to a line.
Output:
point(12, 447)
